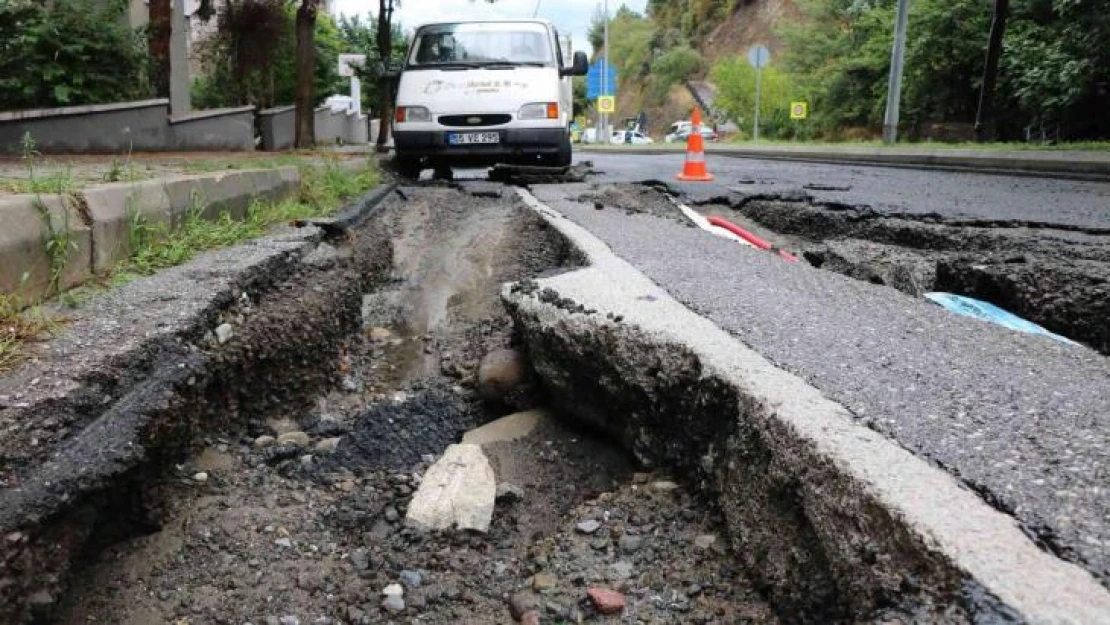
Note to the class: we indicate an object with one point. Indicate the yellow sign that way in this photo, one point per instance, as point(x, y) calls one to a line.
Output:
point(606, 104)
point(799, 110)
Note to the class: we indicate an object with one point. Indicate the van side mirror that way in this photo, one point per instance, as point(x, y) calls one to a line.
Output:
point(580, 66)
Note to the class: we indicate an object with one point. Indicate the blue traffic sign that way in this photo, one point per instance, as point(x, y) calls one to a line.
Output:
point(759, 56)
point(594, 88)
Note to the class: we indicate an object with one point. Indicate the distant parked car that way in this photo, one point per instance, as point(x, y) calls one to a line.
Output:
point(631, 137)
point(707, 133)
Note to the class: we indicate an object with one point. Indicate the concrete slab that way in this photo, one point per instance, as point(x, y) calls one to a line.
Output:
point(513, 427)
point(115, 209)
point(457, 491)
point(829, 513)
point(25, 265)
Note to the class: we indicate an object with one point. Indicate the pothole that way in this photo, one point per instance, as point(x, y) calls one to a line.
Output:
point(300, 518)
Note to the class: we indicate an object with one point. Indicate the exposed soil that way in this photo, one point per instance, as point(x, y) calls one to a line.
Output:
point(265, 532)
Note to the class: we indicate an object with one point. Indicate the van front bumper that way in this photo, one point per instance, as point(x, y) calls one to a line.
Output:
point(517, 144)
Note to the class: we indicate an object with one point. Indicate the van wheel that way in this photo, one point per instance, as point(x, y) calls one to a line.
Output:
point(407, 167)
point(566, 153)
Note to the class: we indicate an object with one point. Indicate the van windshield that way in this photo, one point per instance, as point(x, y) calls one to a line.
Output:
point(481, 44)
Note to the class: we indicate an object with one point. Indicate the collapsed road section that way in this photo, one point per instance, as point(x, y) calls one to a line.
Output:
point(293, 431)
point(833, 520)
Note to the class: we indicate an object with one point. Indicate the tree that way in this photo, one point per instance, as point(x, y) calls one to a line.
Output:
point(159, 13)
point(304, 135)
point(385, 53)
point(69, 52)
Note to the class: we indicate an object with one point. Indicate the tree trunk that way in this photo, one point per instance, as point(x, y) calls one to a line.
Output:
point(385, 52)
point(984, 117)
point(305, 134)
point(158, 44)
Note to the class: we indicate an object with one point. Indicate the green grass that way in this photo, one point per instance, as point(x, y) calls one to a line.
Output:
point(323, 191)
point(58, 182)
point(19, 327)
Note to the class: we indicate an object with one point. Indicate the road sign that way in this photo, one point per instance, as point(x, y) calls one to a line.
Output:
point(606, 104)
point(601, 72)
point(348, 63)
point(799, 110)
point(759, 56)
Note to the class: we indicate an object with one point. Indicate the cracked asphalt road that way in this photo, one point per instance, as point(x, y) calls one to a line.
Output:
point(1023, 420)
point(970, 196)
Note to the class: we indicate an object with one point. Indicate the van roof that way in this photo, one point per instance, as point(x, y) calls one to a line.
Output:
point(493, 21)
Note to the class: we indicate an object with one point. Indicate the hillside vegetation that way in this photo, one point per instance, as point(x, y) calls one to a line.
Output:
point(1053, 81)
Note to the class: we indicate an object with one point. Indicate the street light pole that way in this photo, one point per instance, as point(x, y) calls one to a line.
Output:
point(894, 85)
point(605, 78)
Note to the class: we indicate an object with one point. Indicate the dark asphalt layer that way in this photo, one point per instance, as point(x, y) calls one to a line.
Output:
point(967, 196)
point(1023, 419)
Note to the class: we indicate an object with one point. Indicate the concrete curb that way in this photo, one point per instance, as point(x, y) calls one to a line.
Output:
point(803, 485)
point(99, 220)
point(1074, 165)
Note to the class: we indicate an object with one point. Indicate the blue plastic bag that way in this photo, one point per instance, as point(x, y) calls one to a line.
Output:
point(969, 307)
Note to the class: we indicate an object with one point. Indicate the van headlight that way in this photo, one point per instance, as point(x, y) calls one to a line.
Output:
point(539, 110)
point(412, 114)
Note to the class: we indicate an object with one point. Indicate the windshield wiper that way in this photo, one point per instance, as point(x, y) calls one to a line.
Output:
point(509, 64)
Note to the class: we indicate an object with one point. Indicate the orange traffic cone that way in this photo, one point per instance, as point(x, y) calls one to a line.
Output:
point(694, 170)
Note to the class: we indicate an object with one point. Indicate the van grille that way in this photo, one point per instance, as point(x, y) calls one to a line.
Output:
point(474, 121)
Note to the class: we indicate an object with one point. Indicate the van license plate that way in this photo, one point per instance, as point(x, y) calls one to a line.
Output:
point(469, 138)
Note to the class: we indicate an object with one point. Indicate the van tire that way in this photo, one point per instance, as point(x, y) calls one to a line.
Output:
point(566, 153)
point(407, 167)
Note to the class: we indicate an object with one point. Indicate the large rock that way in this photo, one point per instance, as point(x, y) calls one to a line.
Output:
point(457, 491)
point(510, 428)
point(501, 373)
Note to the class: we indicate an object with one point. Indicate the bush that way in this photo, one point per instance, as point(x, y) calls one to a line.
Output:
point(69, 52)
point(674, 66)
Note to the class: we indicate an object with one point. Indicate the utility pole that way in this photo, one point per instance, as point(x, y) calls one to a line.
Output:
point(990, 71)
point(605, 79)
point(894, 85)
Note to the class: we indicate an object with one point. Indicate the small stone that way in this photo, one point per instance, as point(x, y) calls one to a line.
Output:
point(520, 603)
point(508, 493)
point(391, 514)
point(360, 558)
point(290, 620)
point(500, 373)
point(263, 442)
point(327, 446)
point(543, 581)
point(630, 543)
point(224, 333)
point(379, 334)
point(664, 486)
point(531, 617)
point(200, 478)
point(393, 604)
point(640, 478)
point(284, 542)
point(412, 579)
point(354, 614)
point(588, 527)
point(297, 438)
point(606, 601)
point(601, 543)
point(393, 590)
point(14, 537)
point(40, 599)
point(306, 461)
point(621, 570)
point(705, 541)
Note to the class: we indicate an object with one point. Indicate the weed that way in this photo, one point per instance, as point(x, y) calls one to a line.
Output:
point(57, 241)
point(19, 326)
point(115, 171)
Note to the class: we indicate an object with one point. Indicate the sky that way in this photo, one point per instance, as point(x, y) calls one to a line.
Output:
point(570, 16)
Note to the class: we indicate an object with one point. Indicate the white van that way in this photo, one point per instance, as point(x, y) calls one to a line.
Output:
point(480, 93)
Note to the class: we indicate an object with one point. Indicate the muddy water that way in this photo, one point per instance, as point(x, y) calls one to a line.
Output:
point(301, 535)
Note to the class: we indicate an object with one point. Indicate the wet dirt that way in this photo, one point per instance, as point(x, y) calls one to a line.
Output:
point(311, 530)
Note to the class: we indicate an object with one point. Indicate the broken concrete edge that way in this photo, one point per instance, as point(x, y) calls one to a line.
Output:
point(97, 222)
point(1068, 165)
point(828, 515)
point(135, 411)
point(457, 492)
